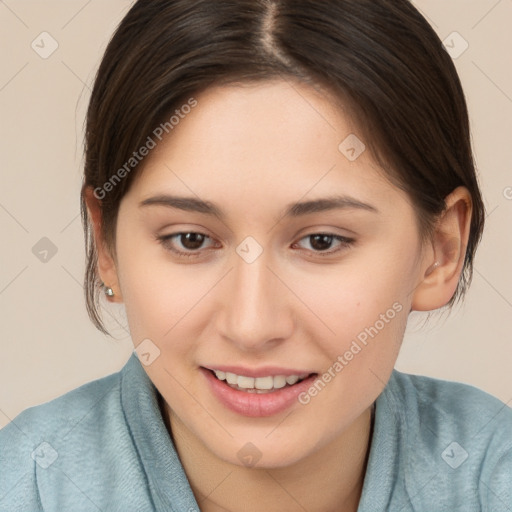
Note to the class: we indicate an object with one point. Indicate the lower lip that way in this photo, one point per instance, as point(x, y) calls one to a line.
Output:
point(256, 405)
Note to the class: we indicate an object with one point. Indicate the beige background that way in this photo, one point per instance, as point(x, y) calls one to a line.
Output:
point(48, 345)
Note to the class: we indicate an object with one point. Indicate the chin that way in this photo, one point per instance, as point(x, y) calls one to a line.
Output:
point(261, 453)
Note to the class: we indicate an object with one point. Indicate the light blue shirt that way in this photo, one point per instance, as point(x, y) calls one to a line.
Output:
point(437, 446)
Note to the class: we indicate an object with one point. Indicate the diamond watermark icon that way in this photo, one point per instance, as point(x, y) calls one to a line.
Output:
point(249, 455)
point(45, 455)
point(454, 455)
point(147, 352)
point(249, 250)
point(455, 45)
point(44, 45)
point(352, 147)
point(44, 250)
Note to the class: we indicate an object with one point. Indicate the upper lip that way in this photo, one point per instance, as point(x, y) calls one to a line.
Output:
point(264, 371)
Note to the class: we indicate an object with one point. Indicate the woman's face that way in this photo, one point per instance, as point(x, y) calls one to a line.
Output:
point(300, 261)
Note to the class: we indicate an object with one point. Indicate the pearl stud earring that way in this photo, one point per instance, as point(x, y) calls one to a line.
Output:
point(107, 290)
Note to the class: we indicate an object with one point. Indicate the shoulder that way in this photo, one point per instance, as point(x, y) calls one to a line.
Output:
point(456, 441)
point(435, 400)
point(57, 417)
point(444, 406)
point(36, 438)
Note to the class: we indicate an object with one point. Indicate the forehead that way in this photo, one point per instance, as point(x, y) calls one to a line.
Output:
point(281, 140)
point(279, 114)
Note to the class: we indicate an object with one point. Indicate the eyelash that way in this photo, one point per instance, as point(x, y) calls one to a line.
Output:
point(165, 240)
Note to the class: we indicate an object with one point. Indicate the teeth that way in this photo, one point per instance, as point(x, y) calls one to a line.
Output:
point(292, 379)
point(220, 375)
point(245, 382)
point(254, 384)
point(230, 377)
point(264, 382)
point(279, 381)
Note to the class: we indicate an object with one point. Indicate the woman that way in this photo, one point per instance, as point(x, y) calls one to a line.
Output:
point(270, 188)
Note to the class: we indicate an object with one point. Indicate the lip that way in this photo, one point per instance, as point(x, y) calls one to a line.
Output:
point(256, 405)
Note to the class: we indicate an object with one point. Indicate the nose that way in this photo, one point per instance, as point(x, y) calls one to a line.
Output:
point(256, 308)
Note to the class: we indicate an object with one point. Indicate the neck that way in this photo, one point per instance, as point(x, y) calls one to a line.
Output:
point(328, 480)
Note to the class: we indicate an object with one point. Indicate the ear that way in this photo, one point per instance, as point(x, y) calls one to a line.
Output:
point(444, 261)
point(106, 262)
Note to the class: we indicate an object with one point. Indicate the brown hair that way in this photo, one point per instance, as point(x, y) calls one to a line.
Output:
point(380, 57)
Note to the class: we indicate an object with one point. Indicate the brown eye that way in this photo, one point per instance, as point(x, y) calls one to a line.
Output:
point(322, 243)
point(187, 244)
point(192, 241)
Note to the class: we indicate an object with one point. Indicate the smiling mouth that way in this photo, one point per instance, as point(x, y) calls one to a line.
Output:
point(260, 385)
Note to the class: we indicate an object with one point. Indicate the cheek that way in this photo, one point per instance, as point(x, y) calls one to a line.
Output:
point(352, 296)
point(171, 305)
point(158, 295)
point(363, 307)
point(368, 314)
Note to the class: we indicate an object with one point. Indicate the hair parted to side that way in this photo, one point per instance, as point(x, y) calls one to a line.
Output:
point(379, 58)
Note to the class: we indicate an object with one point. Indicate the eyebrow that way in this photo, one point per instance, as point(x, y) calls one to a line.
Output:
point(192, 204)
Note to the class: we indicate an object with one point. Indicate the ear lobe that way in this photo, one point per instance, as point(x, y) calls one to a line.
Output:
point(106, 264)
point(441, 276)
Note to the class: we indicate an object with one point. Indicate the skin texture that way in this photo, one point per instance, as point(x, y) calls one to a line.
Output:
point(252, 150)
